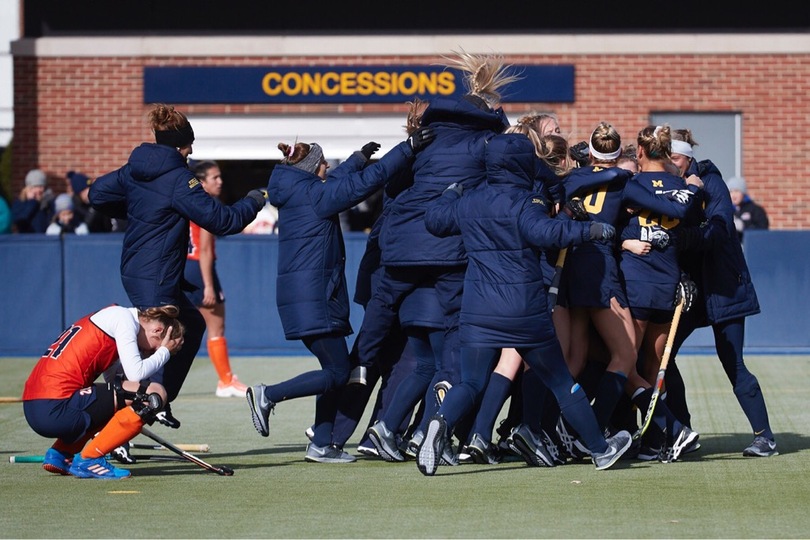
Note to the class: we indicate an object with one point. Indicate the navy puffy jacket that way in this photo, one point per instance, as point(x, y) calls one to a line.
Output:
point(311, 290)
point(503, 225)
point(456, 155)
point(160, 195)
point(718, 268)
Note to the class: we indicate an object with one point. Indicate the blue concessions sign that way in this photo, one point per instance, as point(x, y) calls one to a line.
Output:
point(362, 84)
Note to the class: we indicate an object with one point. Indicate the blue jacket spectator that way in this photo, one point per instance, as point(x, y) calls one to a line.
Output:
point(32, 212)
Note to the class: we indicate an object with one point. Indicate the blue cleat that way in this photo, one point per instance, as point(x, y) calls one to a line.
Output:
point(57, 462)
point(98, 468)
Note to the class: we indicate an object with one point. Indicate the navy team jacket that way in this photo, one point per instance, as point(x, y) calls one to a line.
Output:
point(158, 194)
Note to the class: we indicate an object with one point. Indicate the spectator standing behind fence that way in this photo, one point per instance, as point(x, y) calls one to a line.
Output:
point(201, 271)
point(65, 220)
point(32, 211)
point(748, 215)
point(159, 195)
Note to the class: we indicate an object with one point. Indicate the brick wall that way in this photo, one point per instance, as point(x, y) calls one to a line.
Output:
point(87, 113)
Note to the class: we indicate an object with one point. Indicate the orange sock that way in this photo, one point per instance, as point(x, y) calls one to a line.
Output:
point(122, 427)
point(218, 352)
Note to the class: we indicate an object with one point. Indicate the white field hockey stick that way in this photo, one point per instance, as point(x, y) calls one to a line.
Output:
point(659, 380)
point(222, 471)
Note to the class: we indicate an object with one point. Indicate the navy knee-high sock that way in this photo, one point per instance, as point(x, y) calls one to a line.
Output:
point(608, 393)
point(491, 404)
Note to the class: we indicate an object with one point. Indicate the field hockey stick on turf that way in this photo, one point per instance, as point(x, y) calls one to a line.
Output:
point(554, 289)
point(659, 380)
point(186, 447)
point(222, 471)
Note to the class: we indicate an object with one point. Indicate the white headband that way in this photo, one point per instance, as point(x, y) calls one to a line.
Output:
point(604, 157)
point(683, 148)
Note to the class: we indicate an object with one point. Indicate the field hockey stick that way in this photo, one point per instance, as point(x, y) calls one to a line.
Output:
point(554, 289)
point(40, 459)
point(186, 447)
point(222, 471)
point(659, 380)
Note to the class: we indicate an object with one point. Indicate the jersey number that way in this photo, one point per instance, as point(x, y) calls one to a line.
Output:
point(62, 341)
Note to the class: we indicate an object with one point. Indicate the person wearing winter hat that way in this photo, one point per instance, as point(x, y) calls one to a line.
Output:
point(33, 209)
point(748, 215)
point(65, 220)
point(79, 185)
point(312, 300)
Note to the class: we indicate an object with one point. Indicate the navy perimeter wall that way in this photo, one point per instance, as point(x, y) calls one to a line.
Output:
point(48, 282)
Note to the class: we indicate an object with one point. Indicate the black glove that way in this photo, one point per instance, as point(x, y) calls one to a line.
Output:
point(655, 235)
point(369, 149)
point(580, 153)
point(575, 209)
point(258, 195)
point(602, 231)
point(421, 138)
point(686, 290)
point(455, 186)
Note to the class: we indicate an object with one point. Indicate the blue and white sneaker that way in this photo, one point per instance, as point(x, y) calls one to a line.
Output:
point(57, 462)
point(98, 468)
point(260, 408)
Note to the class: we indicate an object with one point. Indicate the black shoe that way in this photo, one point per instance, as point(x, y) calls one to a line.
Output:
point(482, 451)
point(166, 418)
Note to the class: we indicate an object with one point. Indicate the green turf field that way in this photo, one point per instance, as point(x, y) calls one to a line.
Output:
point(274, 493)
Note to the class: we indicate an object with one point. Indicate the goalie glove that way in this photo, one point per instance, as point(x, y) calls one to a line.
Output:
point(656, 236)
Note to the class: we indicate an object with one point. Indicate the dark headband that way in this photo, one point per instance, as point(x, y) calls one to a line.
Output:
point(176, 138)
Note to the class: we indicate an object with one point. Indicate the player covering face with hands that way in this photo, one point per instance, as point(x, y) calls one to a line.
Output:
point(88, 419)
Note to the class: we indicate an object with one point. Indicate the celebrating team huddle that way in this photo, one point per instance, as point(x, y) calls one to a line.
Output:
point(505, 266)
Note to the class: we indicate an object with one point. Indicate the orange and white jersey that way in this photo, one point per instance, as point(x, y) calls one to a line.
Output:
point(86, 349)
point(194, 242)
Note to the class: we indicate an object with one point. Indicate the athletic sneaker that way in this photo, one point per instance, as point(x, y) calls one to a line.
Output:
point(532, 448)
point(617, 445)
point(685, 437)
point(123, 455)
point(310, 433)
point(166, 417)
point(57, 462)
point(482, 451)
point(464, 455)
point(431, 449)
point(328, 454)
point(96, 468)
point(232, 389)
point(412, 448)
point(649, 453)
point(368, 450)
point(358, 375)
point(385, 441)
point(761, 447)
point(440, 390)
point(260, 408)
point(551, 446)
point(573, 447)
